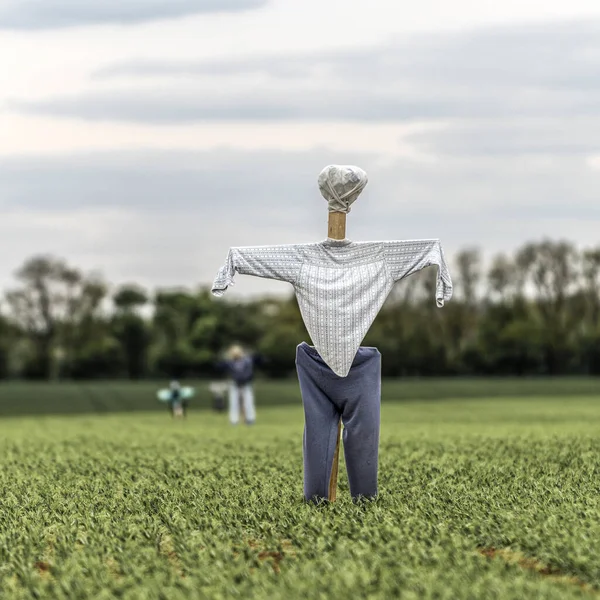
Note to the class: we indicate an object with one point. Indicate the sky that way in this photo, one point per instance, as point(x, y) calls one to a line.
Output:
point(142, 139)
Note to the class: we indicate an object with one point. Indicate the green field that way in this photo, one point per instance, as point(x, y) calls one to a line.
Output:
point(24, 398)
point(479, 498)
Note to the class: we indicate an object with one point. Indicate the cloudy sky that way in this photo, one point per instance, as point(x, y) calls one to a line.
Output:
point(143, 138)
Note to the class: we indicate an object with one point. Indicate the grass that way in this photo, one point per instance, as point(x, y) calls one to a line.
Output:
point(26, 398)
point(479, 498)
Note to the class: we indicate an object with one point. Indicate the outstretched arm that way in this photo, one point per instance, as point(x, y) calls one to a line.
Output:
point(259, 360)
point(272, 262)
point(221, 365)
point(407, 257)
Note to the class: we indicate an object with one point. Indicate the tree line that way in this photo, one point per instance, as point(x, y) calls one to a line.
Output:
point(535, 312)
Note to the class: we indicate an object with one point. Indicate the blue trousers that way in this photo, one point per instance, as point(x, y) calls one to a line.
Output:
point(327, 398)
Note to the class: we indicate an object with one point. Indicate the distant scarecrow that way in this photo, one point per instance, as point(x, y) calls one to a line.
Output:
point(176, 397)
point(239, 365)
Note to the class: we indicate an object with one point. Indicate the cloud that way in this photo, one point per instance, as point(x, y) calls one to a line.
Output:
point(168, 218)
point(160, 218)
point(548, 71)
point(547, 54)
point(206, 184)
point(267, 104)
point(50, 14)
point(514, 137)
point(199, 203)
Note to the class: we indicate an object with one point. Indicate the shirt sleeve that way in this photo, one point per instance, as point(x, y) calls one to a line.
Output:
point(271, 262)
point(407, 257)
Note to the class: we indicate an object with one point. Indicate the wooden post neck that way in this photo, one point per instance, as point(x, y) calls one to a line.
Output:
point(336, 229)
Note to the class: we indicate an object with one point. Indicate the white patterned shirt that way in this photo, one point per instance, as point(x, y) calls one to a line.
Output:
point(340, 285)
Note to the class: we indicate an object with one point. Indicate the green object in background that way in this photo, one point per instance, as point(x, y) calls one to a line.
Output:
point(165, 395)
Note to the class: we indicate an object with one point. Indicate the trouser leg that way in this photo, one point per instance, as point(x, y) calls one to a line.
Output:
point(234, 404)
point(320, 430)
point(361, 418)
point(249, 409)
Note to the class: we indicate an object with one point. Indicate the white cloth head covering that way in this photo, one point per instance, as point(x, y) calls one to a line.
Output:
point(341, 185)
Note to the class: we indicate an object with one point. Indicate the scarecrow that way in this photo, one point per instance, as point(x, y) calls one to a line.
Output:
point(341, 286)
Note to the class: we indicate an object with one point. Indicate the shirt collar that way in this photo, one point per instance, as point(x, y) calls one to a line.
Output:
point(332, 242)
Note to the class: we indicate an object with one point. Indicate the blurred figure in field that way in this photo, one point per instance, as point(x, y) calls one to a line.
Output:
point(176, 403)
point(240, 368)
point(176, 398)
point(219, 390)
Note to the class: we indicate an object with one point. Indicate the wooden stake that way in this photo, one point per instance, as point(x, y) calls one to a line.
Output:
point(336, 229)
point(333, 479)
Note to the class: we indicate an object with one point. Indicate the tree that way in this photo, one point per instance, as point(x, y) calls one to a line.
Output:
point(590, 269)
point(130, 297)
point(175, 315)
point(131, 330)
point(552, 269)
point(465, 309)
point(540, 315)
point(7, 338)
point(502, 281)
point(54, 306)
point(590, 309)
point(468, 264)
